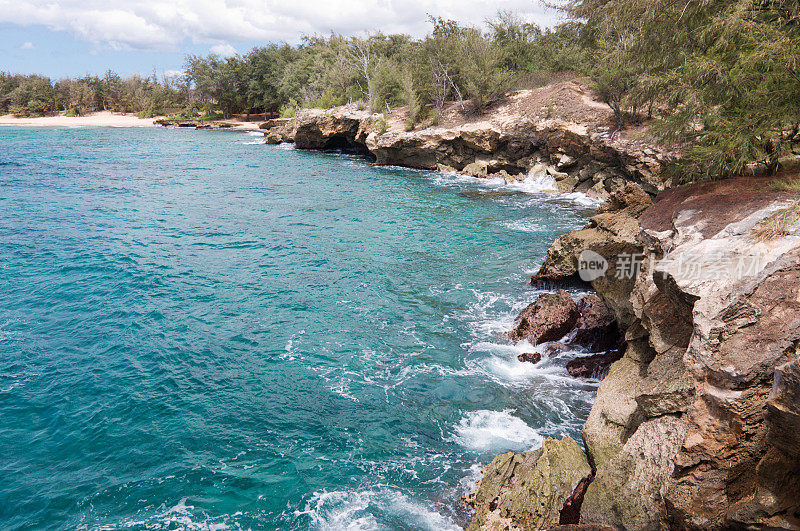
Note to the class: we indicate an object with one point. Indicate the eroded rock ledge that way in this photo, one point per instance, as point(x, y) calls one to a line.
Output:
point(577, 158)
point(698, 425)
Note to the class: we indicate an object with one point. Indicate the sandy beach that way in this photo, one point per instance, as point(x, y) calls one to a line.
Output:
point(98, 119)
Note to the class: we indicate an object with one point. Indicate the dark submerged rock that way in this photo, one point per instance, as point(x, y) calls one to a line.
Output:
point(596, 328)
point(594, 366)
point(532, 357)
point(547, 319)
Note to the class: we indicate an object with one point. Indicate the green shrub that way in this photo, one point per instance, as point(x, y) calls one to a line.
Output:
point(381, 126)
point(288, 110)
point(211, 116)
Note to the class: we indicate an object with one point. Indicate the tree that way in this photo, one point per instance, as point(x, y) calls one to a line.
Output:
point(359, 51)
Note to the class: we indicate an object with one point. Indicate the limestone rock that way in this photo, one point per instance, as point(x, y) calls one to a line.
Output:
point(274, 122)
point(614, 415)
point(547, 319)
point(627, 491)
point(476, 169)
point(696, 426)
point(339, 128)
point(528, 490)
point(613, 233)
point(554, 349)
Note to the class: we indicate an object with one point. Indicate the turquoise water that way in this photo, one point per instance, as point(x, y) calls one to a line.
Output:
point(198, 331)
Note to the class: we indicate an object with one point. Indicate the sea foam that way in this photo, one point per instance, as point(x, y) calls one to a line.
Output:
point(496, 431)
point(378, 508)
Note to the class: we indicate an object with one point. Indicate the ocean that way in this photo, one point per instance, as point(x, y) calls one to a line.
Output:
point(201, 331)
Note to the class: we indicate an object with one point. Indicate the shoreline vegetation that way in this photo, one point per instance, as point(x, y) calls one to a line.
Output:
point(718, 79)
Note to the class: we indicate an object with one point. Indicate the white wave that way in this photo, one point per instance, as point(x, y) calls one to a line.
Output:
point(285, 145)
point(525, 225)
point(582, 199)
point(495, 431)
point(536, 183)
point(291, 351)
point(254, 142)
point(369, 509)
point(450, 178)
point(541, 182)
point(255, 133)
point(179, 516)
point(342, 388)
point(493, 314)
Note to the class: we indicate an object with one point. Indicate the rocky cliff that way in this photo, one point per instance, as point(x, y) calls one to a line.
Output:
point(697, 423)
point(505, 144)
point(696, 427)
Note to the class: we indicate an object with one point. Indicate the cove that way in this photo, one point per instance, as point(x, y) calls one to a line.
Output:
point(199, 330)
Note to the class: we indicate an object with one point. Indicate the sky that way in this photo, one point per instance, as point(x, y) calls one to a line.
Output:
point(62, 38)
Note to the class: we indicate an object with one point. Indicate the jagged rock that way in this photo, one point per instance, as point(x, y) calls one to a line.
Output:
point(274, 122)
point(678, 434)
point(567, 184)
point(665, 387)
point(511, 144)
point(280, 130)
point(783, 408)
point(565, 161)
point(528, 490)
point(596, 328)
point(742, 327)
point(197, 124)
point(627, 491)
point(594, 366)
point(613, 233)
point(554, 349)
point(583, 527)
point(531, 357)
point(614, 413)
point(273, 138)
point(547, 319)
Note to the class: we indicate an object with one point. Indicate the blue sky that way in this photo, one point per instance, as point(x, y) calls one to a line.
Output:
point(62, 38)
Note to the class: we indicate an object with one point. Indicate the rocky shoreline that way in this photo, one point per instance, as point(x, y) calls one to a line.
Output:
point(697, 426)
point(696, 320)
point(513, 148)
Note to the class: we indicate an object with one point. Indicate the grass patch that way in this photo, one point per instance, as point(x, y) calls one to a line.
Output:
point(790, 183)
point(778, 223)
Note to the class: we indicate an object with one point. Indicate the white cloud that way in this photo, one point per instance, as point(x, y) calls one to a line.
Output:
point(132, 24)
point(223, 50)
point(174, 74)
point(27, 46)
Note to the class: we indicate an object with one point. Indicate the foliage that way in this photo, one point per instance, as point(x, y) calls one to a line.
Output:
point(376, 72)
point(723, 74)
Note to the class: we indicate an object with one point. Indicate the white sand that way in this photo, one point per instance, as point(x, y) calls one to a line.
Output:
point(98, 119)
